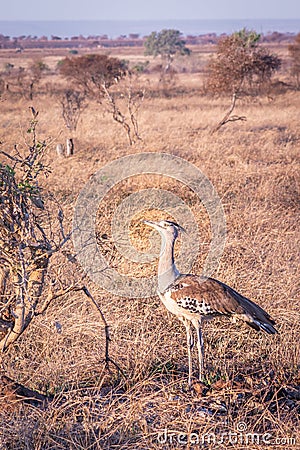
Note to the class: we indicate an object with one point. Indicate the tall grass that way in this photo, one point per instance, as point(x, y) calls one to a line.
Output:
point(252, 378)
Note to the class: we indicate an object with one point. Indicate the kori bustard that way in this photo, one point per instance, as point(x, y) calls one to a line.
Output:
point(193, 298)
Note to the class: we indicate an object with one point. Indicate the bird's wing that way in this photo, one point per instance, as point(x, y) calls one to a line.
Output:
point(212, 297)
point(204, 290)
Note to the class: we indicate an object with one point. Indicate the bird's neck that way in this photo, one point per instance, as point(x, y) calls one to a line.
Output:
point(167, 270)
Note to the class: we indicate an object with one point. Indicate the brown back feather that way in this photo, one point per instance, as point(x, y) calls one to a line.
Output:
point(222, 299)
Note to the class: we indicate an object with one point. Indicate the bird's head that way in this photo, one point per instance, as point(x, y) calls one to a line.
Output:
point(166, 228)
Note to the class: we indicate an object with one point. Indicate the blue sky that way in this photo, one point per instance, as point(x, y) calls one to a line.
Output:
point(148, 9)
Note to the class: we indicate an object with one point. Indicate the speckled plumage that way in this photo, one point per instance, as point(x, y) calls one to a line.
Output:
point(209, 297)
point(195, 306)
point(193, 298)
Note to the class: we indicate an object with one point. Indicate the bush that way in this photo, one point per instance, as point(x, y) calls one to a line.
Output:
point(294, 50)
point(241, 66)
point(92, 72)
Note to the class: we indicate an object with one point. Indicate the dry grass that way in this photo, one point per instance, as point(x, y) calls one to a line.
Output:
point(253, 378)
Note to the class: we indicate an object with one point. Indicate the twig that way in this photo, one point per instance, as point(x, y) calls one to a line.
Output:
point(51, 297)
point(117, 114)
point(106, 329)
point(73, 288)
point(133, 107)
point(227, 118)
point(13, 158)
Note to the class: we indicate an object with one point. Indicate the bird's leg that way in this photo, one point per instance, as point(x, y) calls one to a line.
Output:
point(198, 325)
point(190, 345)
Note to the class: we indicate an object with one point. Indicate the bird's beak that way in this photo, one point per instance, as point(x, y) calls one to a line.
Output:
point(150, 223)
point(154, 225)
point(157, 227)
point(183, 230)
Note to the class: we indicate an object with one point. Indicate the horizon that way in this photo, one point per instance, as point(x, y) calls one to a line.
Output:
point(209, 19)
point(115, 28)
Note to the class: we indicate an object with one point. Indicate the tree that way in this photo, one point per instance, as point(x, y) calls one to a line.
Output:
point(92, 72)
point(35, 72)
point(127, 116)
point(27, 238)
point(31, 233)
point(72, 103)
point(100, 76)
point(25, 80)
point(294, 51)
point(240, 65)
point(167, 44)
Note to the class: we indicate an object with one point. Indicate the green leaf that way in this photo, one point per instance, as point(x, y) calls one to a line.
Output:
point(10, 170)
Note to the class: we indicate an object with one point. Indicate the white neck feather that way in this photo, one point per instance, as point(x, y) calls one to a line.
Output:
point(167, 270)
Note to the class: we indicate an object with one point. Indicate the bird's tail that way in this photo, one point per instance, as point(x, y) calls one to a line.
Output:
point(265, 325)
point(255, 316)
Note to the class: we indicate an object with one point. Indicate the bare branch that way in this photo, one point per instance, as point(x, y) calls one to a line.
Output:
point(106, 329)
point(134, 102)
point(228, 118)
point(53, 296)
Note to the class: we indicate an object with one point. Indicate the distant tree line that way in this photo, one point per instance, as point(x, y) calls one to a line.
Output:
point(132, 39)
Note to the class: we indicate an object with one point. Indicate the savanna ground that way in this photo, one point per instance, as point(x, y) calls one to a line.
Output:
point(253, 380)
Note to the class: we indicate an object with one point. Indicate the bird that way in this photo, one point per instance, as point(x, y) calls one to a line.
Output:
point(193, 298)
